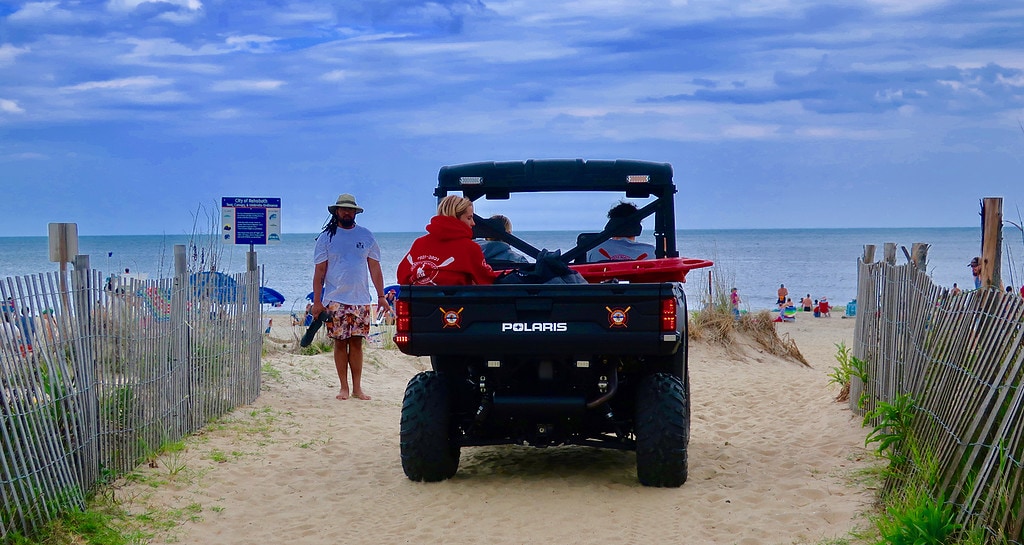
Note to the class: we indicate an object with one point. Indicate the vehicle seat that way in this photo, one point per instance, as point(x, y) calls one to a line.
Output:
point(580, 239)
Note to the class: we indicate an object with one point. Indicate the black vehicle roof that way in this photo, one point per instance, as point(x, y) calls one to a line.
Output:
point(496, 180)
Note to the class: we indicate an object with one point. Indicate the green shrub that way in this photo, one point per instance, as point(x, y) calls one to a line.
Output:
point(917, 520)
point(849, 367)
point(893, 430)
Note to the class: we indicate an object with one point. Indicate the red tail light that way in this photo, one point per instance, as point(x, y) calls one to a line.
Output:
point(401, 323)
point(668, 314)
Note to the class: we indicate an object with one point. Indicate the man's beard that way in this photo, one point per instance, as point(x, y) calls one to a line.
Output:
point(346, 223)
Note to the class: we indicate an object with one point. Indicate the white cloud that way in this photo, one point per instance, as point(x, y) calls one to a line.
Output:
point(907, 6)
point(8, 53)
point(304, 15)
point(129, 5)
point(179, 17)
point(138, 90)
point(10, 107)
point(750, 131)
point(138, 82)
point(145, 49)
point(24, 156)
point(335, 75)
point(229, 86)
point(227, 113)
point(45, 12)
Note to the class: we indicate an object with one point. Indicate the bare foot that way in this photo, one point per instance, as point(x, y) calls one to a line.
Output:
point(361, 395)
point(343, 394)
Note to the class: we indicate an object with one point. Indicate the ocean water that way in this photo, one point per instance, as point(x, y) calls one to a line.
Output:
point(819, 262)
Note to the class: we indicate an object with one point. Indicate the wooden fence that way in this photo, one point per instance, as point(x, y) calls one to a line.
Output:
point(961, 359)
point(95, 377)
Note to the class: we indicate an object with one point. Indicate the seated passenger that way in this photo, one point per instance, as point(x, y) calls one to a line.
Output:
point(623, 246)
point(447, 255)
point(497, 250)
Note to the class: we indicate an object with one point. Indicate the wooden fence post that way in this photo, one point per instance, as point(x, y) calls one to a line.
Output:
point(869, 254)
point(991, 242)
point(856, 384)
point(919, 255)
point(889, 253)
point(184, 420)
point(84, 364)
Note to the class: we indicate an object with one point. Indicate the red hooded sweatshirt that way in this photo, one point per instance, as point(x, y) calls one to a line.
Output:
point(445, 256)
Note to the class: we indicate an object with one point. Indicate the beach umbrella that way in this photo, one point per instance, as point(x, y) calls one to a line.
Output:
point(215, 286)
point(269, 296)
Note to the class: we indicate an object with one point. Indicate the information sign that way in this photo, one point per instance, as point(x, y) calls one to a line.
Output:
point(250, 220)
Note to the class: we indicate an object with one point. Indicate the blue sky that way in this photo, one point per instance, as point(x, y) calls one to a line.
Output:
point(135, 117)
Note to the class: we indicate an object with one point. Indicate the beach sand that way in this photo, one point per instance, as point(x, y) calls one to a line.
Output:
point(772, 459)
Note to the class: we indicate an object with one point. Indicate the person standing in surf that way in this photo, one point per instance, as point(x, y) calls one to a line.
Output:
point(447, 255)
point(345, 254)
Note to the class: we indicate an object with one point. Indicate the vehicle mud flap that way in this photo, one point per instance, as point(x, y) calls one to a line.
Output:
point(662, 430)
point(428, 438)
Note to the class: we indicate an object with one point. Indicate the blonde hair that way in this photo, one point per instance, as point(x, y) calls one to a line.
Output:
point(453, 205)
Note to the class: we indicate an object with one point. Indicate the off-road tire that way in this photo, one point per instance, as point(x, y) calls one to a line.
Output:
point(662, 430)
point(429, 448)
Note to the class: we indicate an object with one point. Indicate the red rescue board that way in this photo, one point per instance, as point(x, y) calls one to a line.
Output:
point(670, 269)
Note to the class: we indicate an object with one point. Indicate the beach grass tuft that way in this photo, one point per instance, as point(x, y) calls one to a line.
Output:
point(717, 325)
point(715, 322)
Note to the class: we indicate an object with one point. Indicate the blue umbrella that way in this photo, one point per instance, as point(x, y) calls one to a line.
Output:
point(216, 286)
point(269, 296)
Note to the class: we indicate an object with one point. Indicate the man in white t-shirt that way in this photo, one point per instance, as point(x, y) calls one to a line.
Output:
point(344, 253)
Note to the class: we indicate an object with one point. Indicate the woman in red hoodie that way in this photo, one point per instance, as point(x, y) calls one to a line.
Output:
point(447, 255)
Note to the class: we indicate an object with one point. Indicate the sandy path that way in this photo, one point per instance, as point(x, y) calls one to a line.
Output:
point(772, 460)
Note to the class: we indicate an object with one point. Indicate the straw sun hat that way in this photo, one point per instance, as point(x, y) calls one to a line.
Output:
point(345, 200)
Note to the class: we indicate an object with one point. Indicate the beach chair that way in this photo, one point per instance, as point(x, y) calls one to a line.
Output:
point(824, 308)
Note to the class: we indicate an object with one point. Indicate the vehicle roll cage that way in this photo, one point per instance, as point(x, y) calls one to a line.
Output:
point(636, 179)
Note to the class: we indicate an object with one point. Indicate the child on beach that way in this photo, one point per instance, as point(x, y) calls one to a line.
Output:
point(734, 301)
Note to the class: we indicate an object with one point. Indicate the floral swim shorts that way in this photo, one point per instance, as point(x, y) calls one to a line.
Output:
point(348, 321)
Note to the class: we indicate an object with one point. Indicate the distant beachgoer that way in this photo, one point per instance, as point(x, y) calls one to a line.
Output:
point(975, 266)
point(817, 313)
point(955, 290)
point(390, 295)
point(806, 302)
point(388, 315)
point(28, 327)
point(10, 331)
point(734, 301)
point(790, 310)
point(50, 326)
point(787, 313)
point(783, 293)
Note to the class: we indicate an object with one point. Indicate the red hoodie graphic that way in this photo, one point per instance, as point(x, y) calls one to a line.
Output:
point(445, 256)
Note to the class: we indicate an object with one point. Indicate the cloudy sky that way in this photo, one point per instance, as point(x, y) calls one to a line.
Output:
point(135, 116)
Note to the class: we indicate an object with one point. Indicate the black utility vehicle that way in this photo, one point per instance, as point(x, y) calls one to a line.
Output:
point(602, 363)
